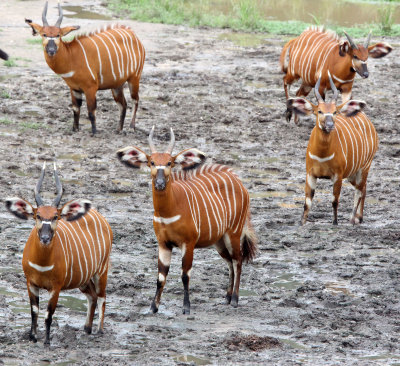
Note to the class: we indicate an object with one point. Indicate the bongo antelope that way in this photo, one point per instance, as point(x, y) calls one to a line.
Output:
point(195, 207)
point(103, 59)
point(342, 145)
point(317, 51)
point(68, 248)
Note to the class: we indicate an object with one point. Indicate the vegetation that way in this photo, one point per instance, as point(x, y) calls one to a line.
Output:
point(243, 16)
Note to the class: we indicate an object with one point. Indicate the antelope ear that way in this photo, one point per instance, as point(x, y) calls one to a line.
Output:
point(20, 208)
point(300, 106)
point(352, 107)
point(379, 50)
point(73, 210)
point(343, 48)
point(133, 157)
point(36, 28)
point(65, 30)
point(189, 158)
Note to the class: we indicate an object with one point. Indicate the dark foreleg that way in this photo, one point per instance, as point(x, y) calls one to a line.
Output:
point(51, 308)
point(92, 105)
point(164, 261)
point(337, 187)
point(76, 107)
point(187, 260)
point(311, 183)
point(33, 293)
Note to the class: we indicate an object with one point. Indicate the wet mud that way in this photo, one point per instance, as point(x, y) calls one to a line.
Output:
point(315, 295)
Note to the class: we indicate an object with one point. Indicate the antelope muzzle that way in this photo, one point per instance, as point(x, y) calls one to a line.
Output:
point(160, 181)
point(51, 47)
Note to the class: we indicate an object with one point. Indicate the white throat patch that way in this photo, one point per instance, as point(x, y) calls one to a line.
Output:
point(321, 160)
point(166, 220)
point(40, 268)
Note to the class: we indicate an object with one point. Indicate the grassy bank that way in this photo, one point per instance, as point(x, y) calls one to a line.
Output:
point(241, 15)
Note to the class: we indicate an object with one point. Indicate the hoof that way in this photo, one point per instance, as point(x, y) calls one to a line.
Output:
point(154, 307)
point(100, 331)
point(288, 115)
point(235, 300)
point(47, 343)
point(87, 329)
point(228, 299)
point(32, 338)
point(186, 311)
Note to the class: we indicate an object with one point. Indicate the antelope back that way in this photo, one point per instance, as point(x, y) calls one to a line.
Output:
point(309, 53)
point(216, 200)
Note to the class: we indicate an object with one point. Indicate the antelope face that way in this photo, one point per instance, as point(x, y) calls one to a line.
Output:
point(46, 223)
point(359, 61)
point(160, 165)
point(326, 116)
point(51, 40)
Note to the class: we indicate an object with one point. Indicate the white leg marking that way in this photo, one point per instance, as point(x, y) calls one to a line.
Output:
point(311, 181)
point(35, 309)
point(228, 243)
point(100, 302)
point(164, 255)
point(308, 202)
point(161, 277)
point(34, 290)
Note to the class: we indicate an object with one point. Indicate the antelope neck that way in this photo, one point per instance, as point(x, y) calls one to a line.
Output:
point(164, 201)
point(59, 63)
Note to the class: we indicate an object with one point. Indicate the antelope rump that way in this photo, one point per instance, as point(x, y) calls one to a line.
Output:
point(98, 60)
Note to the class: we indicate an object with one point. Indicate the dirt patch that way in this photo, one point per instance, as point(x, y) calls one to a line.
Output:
point(330, 295)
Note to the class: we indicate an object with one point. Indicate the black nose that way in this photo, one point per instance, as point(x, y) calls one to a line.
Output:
point(159, 184)
point(45, 239)
point(365, 74)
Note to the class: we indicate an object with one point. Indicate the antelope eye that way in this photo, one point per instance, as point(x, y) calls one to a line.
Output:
point(44, 35)
point(57, 36)
point(335, 112)
point(38, 218)
point(55, 217)
point(152, 163)
point(169, 163)
point(319, 112)
point(355, 57)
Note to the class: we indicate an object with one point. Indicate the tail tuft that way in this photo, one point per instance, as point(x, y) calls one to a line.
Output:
point(3, 55)
point(249, 242)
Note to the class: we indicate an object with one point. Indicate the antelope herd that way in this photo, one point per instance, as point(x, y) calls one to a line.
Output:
point(196, 205)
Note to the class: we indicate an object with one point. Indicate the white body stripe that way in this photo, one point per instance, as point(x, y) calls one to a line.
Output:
point(87, 62)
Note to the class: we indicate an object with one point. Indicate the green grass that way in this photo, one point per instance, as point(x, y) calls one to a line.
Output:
point(34, 40)
point(10, 62)
point(4, 94)
point(5, 121)
point(32, 125)
point(242, 15)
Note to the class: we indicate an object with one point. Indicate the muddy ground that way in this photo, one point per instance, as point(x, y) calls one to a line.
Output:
point(315, 295)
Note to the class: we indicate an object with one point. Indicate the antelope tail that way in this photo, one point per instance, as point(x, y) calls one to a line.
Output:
point(249, 241)
point(283, 59)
